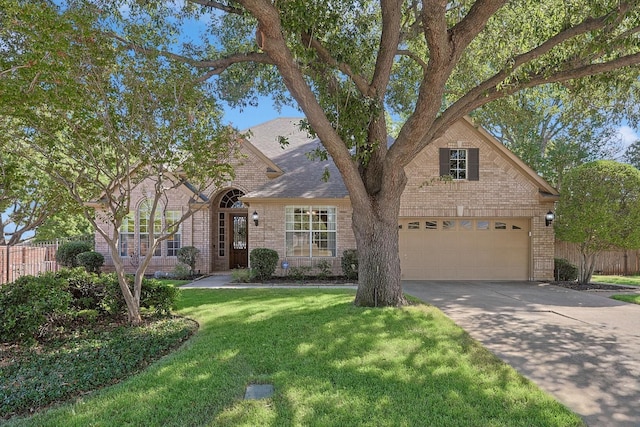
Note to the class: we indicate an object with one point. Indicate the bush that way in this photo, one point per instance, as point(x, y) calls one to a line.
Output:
point(324, 269)
point(564, 271)
point(67, 253)
point(263, 262)
point(91, 261)
point(300, 272)
point(181, 271)
point(29, 304)
point(350, 264)
point(161, 296)
point(189, 255)
point(241, 275)
point(113, 301)
point(87, 292)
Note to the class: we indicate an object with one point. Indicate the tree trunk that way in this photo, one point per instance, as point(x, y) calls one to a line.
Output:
point(587, 265)
point(376, 235)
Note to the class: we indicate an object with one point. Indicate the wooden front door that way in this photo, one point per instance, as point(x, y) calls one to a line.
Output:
point(238, 238)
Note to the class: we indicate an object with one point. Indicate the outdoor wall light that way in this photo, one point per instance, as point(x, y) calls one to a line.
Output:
point(255, 218)
point(549, 217)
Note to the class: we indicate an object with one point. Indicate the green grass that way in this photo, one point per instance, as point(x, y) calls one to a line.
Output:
point(332, 364)
point(617, 280)
point(634, 299)
point(174, 282)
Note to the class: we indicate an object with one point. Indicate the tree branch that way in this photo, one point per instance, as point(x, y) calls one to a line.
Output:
point(219, 6)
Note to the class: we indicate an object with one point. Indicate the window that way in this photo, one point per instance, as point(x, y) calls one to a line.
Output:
point(499, 225)
point(465, 224)
point(431, 225)
point(460, 163)
point(135, 231)
point(482, 225)
point(415, 225)
point(144, 228)
point(310, 231)
point(448, 225)
point(174, 243)
point(128, 236)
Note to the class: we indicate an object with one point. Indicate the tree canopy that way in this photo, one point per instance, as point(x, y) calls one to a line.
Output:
point(348, 64)
point(104, 121)
point(599, 210)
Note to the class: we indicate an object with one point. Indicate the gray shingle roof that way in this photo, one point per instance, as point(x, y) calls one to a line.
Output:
point(302, 177)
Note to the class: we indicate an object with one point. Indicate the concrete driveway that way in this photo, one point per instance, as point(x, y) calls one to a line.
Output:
point(581, 347)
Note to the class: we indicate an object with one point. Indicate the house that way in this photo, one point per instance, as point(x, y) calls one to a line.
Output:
point(485, 223)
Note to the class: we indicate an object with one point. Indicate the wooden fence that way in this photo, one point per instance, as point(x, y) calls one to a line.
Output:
point(618, 262)
point(30, 258)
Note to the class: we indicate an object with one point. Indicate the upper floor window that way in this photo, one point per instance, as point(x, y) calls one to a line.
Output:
point(460, 163)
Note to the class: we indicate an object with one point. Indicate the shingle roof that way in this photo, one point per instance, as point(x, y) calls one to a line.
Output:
point(302, 178)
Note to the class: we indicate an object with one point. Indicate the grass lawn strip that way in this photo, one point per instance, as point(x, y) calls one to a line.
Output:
point(617, 280)
point(332, 364)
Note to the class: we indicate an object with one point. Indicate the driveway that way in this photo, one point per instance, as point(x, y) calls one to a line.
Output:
point(581, 347)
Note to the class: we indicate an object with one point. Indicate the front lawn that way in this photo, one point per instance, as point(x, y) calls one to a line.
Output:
point(331, 364)
point(617, 280)
point(634, 299)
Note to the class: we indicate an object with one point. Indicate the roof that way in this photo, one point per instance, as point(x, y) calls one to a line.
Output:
point(302, 177)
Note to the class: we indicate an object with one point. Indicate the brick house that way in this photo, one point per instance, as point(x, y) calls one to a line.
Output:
point(486, 223)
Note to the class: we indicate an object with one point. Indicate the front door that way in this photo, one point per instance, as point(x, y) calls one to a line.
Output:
point(238, 237)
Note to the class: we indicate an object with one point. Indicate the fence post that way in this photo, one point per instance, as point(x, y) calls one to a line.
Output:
point(8, 257)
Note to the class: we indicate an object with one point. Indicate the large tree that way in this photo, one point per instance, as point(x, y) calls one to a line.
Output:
point(599, 210)
point(27, 198)
point(553, 128)
point(106, 123)
point(339, 61)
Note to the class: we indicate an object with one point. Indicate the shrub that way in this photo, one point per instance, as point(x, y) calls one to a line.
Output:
point(241, 275)
point(189, 255)
point(563, 270)
point(113, 301)
point(161, 296)
point(324, 269)
point(350, 264)
point(29, 304)
point(181, 271)
point(263, 262)
point(300, 273)
point(67, 253)
point(87, 292)
point(91, 261)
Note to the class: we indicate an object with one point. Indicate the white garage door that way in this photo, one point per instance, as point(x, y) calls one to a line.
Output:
point(464, 249)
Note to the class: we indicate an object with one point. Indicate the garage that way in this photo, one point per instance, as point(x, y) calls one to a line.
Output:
point(465, 249)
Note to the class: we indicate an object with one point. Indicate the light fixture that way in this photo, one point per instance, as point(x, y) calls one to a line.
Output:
point(255, 218)
point(549, 217)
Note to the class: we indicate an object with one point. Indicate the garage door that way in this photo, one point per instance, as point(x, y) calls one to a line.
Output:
point(464, 249)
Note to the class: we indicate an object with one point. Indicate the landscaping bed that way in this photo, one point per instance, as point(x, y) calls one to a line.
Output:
point(86, 357)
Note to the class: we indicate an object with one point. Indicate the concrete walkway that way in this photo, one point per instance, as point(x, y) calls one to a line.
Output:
point(581, 347)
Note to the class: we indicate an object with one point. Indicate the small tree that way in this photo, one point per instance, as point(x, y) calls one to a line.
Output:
point(67, 254)
point(189, 255)
point(599, 209)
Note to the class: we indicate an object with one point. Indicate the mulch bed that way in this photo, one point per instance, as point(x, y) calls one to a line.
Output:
point(594, 286)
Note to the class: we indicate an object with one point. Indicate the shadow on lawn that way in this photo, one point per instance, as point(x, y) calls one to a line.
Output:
point(332, 364)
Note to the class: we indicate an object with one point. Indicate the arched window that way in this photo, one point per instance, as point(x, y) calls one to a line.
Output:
point(231, 200)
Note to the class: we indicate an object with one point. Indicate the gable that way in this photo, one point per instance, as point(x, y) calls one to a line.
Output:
point(502, 182)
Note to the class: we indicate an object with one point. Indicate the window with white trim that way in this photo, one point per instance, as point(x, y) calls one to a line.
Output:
point(174, 243)
point(458, 163)
point(128, 235)
point(310, 231)
point(144, 228)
